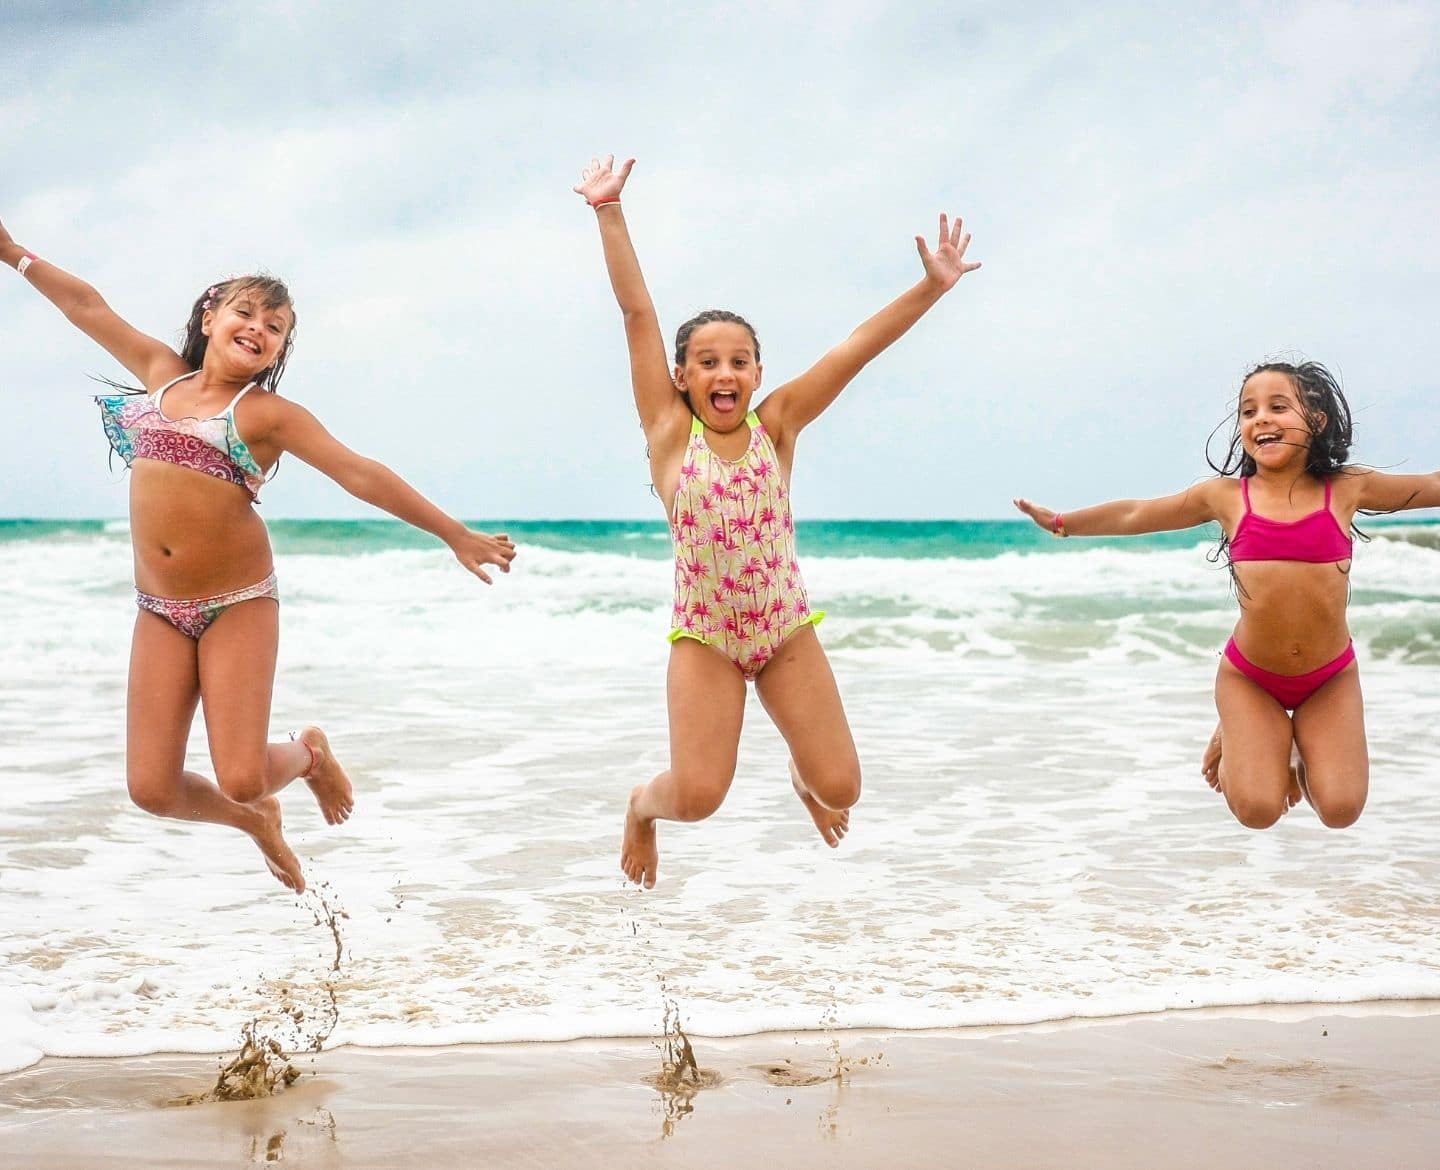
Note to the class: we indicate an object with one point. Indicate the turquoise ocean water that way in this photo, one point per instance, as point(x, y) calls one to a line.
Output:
point(1034, 841)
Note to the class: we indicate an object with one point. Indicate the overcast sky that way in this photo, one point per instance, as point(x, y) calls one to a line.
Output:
point(1160, 199)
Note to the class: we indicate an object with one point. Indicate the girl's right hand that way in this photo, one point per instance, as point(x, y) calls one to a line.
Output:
point(475, 550)
point(600, 184)
point(5, 237)
point(1044, 517)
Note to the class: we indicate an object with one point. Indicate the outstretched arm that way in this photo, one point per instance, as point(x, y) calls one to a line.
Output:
point(1195, 505)
point(1381, 492)
point(150, 360)
point(292, 428)
point(656, 399)
point(800, 402)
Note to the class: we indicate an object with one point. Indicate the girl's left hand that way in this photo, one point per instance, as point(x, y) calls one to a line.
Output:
point(475, 550)
point(947, 263)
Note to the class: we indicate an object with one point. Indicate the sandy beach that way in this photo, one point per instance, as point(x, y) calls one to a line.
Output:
point(1312, 1088)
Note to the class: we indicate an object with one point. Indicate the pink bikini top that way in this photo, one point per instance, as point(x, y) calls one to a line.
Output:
point(1316, 538)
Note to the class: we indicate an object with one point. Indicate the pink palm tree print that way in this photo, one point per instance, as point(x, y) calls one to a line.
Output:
point(737, 584)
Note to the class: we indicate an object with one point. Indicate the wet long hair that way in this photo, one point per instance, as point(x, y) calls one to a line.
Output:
point(271, 293)
point(193, 342)
point(1322, 406)
point(1327, 417)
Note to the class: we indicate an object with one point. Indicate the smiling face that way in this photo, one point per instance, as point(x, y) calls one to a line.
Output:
point(720, 374)
point(246, 334)
point(1274, 427)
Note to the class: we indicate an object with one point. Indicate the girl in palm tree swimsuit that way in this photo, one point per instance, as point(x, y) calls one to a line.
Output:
point(722, 470)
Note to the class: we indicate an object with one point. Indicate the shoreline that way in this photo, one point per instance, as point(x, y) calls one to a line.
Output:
point(1295, 1086)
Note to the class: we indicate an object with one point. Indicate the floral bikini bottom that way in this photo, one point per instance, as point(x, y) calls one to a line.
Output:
point(193, 618)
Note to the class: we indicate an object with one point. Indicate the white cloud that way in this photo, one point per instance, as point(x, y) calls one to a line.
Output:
point(1159, 198)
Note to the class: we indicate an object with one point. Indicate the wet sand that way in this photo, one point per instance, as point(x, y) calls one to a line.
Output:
point(1312, 1088)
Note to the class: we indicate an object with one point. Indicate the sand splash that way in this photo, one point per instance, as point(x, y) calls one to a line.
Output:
point(680, 1077)
point(265, 1065)
point(786, 1074)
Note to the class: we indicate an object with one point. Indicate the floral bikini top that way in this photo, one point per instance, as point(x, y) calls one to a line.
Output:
point(138, 428)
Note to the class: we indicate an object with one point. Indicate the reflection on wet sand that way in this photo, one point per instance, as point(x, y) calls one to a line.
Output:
point(680, 1076)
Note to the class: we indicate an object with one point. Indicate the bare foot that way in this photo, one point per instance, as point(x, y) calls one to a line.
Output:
point(1210, 769)
point(1210, 761)
point(639, 854)
point(278, 855)
point(1298, 790)
point(832, 825)
point(333, 791)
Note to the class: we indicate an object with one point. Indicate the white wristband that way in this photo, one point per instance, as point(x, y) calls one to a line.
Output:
point(25, 261)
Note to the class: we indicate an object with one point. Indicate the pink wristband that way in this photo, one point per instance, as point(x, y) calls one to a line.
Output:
point(25, 261)
point(1057, 525)
point(602, 202)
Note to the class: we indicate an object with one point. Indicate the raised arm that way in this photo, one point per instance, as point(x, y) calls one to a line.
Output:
point(150, 360)
point(656, 399)
point(1195, 505)
point(281, 425)
point(800, 401)
point(1381, 492)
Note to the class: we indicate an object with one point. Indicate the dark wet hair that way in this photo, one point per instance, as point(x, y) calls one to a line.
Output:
point(272, 294)
point(1318, 394)
point(1327, 416)
point(709, 317)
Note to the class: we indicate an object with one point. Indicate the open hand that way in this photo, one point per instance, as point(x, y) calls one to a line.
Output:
point(1044, 517)
point(947, 263)
point(475, 550)
point(599, 183)
point(5, 237)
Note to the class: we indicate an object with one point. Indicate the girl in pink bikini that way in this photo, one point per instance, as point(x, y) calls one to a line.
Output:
point(721, 466)
point(1285, 500)
point(199, 444)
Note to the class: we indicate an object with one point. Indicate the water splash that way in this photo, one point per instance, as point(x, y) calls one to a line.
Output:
point(838, 1069)
point(264, 1066)
point(680, 1077)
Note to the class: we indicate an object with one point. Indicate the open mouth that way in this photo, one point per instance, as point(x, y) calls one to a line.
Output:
point(248, 346)
point(724, 401)
point(1267, 440)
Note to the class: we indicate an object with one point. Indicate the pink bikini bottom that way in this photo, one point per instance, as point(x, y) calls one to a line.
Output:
point(1289, 690)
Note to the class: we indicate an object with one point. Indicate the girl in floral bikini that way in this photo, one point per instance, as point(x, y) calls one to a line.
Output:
point(722, 470)
point(209, 618)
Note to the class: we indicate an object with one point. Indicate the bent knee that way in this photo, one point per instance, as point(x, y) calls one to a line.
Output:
point(241, 784)
point(698, 797)
point(1341, 813)
point(1258, 812)
point(150, 794)
point(836, 788)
